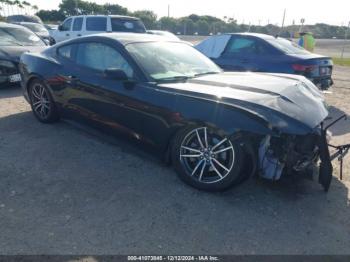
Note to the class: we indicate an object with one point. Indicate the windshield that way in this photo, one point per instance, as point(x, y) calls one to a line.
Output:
point(286, 46)
point(37, 28)
point(18, 36)
point(171, 60)
point(127, 25)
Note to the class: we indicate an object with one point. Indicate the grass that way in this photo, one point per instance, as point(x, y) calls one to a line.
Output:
point(343, 62)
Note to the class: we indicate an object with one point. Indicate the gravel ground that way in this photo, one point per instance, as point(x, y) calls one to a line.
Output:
point(65, 190)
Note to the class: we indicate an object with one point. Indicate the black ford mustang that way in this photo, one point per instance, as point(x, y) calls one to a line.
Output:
point(215, 128)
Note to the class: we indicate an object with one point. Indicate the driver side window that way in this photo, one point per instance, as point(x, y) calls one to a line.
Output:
point(242, 46)
point(67, 25)
point(100, 57)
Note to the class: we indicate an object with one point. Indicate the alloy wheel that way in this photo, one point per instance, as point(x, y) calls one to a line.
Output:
point(206, 156)
point(40, 101)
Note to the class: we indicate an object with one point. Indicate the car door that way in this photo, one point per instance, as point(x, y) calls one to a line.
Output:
point(64, 30)
point(90, 95)
point(77, 27)
point(240, 54)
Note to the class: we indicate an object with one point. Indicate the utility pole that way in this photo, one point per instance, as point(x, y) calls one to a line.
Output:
point(284, 17)
point(302, 21)
point(168, 10)
point(345, 40)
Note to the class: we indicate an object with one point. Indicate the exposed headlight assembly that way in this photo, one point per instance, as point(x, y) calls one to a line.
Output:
point(7, 64)
point(7, 68)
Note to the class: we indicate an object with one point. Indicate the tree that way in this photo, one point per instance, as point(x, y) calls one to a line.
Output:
point(149, 18)
point(168, 24)
point(185, 26)
point(115, 9)
point(26, 5)
point(202, 27)
point(71, 7)
point(51, 15)
point(79, 7)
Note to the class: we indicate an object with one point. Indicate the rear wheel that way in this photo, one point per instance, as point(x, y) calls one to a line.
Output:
point(42, 103)
point(207, 159)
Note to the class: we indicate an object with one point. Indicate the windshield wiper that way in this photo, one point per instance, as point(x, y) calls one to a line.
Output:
point(174, 78)
point(206, 73)
point(13, 43)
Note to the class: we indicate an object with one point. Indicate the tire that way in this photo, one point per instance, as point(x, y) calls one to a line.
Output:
point(206, 159)
point(41, 102)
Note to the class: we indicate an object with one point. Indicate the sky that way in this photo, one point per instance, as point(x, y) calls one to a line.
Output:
point(336, 12)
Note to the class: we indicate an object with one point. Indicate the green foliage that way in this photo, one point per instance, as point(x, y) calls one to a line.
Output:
point(51, 15)
point(149, 18)
point(339, 61)
point(80, 7)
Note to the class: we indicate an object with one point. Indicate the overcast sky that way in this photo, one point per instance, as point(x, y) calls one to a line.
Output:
point(335, 12)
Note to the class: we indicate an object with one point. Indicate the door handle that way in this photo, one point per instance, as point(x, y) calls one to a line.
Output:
point(78, 34)
point(67, 34)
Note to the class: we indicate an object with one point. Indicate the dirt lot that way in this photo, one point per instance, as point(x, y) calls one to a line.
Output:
point(65, 190)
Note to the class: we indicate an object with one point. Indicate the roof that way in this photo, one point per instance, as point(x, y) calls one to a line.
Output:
point(27, 23)
point(128, 38)
point(8, 25)
point(262, 36)
point(112, 16)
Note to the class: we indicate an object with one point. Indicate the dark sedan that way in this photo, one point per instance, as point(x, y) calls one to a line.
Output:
point(14, 41)
point(215, 128)
point(40, 30)
point(265, 53)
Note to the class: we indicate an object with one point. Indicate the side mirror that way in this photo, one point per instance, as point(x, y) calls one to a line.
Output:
point(60, 27)
point(116, 74)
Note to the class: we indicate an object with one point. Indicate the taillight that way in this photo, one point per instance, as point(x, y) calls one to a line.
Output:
point(303, 68)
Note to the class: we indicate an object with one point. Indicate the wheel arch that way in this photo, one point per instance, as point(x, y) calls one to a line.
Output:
point(248, 141)
point(31, 79)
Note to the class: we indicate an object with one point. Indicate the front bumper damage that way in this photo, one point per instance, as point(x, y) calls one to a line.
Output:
point(9, 74)
point(307, 154)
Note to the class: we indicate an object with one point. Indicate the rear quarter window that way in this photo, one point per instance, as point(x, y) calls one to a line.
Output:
point(66, 51)
point(96, 24)
point(127, 25)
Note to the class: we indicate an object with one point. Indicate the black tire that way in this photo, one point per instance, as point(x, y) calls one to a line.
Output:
point(40, 98)
point(206, 175)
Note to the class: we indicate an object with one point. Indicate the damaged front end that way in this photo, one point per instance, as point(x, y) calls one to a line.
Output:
point(302, 154)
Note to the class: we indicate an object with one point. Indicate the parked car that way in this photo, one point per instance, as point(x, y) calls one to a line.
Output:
point(23, 18)
point(40, 30)
point(167, 34)
point(51, 27)
point(215, 128)
point(14, 41)
point(77, 26)
point(264, 53)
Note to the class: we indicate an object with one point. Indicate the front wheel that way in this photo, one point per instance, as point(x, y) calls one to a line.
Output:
point(207, 159)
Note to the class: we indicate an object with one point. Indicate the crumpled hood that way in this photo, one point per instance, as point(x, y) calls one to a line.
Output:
point(266, 94)
point(14, 53)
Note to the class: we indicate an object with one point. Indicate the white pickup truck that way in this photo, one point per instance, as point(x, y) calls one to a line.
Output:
point(76, 26)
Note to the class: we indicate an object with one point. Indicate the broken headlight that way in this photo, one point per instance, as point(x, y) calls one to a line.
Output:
point(7, 68)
